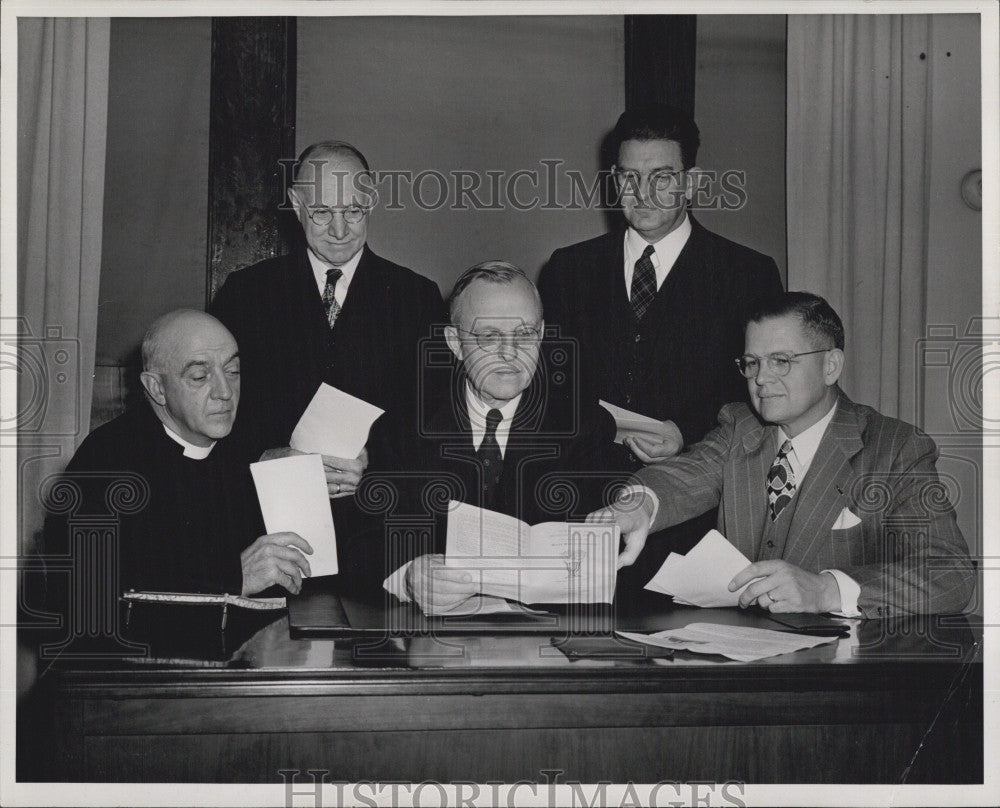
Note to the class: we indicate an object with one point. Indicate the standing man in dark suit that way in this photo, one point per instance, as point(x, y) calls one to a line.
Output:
point(330, 311)
point(510, 436)
point(658, 305)
point(839, 508)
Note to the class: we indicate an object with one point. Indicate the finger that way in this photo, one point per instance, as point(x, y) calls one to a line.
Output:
point(758, 569)
point(603, 516)
point(345, 464)
point(286, 558)
point(286, 538)
point(754, 590)
point(634, 542)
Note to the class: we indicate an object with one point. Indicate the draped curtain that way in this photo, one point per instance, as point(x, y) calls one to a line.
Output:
point(857, 177)
point(62, 105)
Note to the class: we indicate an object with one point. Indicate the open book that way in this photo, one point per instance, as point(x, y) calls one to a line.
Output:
point(551, 562)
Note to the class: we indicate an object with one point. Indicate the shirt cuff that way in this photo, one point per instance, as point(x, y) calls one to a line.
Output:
point(850, 591)
point(395, 584)
point(637, 490)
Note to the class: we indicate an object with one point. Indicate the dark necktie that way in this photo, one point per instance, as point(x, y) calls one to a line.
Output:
point(490, 459)
point(780, 481)
point(643, 283)
point(329, 300)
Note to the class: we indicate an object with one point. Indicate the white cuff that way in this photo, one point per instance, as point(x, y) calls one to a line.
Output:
point(637, 490)
point(850, 591)
point(395, 584)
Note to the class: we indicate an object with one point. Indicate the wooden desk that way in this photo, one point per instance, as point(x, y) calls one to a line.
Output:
point(510, 708)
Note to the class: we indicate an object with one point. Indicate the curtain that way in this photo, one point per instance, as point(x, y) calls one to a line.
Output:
point(857, 175)
point(62, 105)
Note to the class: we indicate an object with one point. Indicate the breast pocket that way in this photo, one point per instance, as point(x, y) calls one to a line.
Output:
point(849, 547)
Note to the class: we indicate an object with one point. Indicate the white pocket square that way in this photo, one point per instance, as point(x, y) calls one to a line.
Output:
point(845, 520)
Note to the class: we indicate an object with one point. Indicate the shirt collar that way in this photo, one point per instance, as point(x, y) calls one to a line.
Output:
point(673, 242)
point(806, 442)
point(321, 267)
point(478, 409)
point(190, 450)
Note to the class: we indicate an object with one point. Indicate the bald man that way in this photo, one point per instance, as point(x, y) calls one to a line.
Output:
point(184, 505)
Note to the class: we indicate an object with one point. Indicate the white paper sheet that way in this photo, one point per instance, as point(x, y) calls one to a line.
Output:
point(632, 424)
point(293, 497)
point(334, 424)
point(742, 643)
point(700, 578)
point(551, 562)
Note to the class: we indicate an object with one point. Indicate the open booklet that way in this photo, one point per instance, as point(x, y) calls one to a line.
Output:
point(551, 562)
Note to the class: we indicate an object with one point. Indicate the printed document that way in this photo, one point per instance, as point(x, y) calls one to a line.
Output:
point(551, 562)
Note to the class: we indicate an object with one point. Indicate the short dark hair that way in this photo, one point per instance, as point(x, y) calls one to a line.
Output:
point(818, 316)
point(327, 148)
point(491, 272)
point(658, 122)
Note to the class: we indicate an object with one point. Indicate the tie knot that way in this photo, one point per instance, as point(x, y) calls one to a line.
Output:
point(333, 275)
point(648, 252)
point(493, 419)
point(786, 449)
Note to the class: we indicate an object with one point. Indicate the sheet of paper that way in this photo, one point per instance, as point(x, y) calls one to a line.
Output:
point(553, 562)
point(700, 577)
point(742, 643)
point(334, 424)
point(293, 497)
point(482, 604)
point(632, 424)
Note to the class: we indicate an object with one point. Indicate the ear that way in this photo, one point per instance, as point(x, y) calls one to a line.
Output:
point(453, 340)
point(154, 387)
point(692, 179)
point(294, 200)
point(833, 366)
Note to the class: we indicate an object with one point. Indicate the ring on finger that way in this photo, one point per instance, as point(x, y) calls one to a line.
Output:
point(338, 488)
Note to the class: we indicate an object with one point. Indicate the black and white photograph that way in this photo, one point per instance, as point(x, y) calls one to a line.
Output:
point(499, 403)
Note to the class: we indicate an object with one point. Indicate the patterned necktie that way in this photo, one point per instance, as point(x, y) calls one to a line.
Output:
point(780, 481)
point(489, 455)
point(643, 283)
point(329, 300)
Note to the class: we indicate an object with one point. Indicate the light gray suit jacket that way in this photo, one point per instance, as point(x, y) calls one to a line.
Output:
point(907, 553)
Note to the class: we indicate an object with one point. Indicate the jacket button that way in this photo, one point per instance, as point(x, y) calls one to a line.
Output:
point(638, 337)
point(770, 543)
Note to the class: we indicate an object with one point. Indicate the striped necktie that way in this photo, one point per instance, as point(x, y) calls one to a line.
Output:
point(329, 300)
point(643, 283)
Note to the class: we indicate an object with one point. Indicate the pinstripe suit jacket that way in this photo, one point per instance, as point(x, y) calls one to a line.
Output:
point(907, 553)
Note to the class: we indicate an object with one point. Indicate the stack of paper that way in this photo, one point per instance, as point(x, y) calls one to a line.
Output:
point(334, 424)
point(701, 577)
point(741, 643)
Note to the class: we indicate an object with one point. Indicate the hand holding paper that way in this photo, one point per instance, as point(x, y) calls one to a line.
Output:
point(702, 577)
point(276, 558)
point(293, 499)
point(334, 424)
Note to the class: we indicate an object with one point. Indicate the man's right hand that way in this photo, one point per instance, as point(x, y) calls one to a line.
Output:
point(276, 558)
point(343, 474)
point(435, 587)
point(632, 513)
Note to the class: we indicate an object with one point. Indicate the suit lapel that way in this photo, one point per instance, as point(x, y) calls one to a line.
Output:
point(610, 270)
point(823, 493)
point(745, 505)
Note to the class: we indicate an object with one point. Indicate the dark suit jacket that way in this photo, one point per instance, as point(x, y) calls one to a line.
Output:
point(557, 465)
point(696, 319)
point(907, 553)
point(276, 314)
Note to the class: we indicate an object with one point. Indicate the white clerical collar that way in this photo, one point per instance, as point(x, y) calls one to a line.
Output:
point(805, 444)
point(190, 450)
point(320, 268)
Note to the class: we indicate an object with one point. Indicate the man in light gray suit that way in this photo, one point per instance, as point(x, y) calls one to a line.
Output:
point(839, 508)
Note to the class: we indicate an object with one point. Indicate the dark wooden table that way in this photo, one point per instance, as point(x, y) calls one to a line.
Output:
point(894, 702)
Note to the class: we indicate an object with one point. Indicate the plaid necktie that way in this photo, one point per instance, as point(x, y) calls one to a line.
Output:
point(780, 481)
point(329, 301)
point(643, 283)
point(489, 455)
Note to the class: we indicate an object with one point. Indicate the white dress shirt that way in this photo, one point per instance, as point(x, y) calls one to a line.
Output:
point(320, 268)
point(190, 450)
point(665, 252)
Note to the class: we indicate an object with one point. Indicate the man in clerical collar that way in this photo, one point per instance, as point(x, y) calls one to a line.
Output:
point(838, 508)
point(507, 433)
point(185, 512)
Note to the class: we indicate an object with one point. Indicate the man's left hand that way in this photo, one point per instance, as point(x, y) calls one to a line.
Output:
point(783, 587)
point(343, 475)
point(651, 450)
